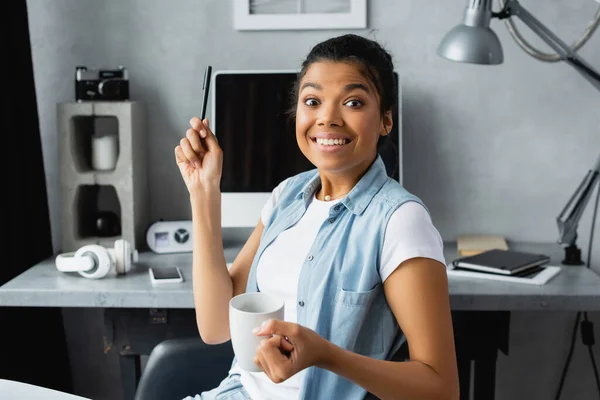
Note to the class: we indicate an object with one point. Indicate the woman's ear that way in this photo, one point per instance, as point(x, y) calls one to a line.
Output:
point(386, 123)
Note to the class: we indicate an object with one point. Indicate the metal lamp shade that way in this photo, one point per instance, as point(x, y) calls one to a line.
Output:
point(471, 44)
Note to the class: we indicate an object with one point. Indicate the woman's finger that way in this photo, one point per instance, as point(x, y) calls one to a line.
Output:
point(179, 156)
point(258, 362)
point(273, 347)
point(198, 126)
point(211, 140)
point(194, 138)
point(203, 128)
point(284, 344)
point(277, 363)
point(262, 363)
point(190, 154)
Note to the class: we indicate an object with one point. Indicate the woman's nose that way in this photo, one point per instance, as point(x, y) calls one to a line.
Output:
point(330, 116)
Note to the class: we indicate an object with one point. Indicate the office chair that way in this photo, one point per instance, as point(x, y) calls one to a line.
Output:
point(177, 368)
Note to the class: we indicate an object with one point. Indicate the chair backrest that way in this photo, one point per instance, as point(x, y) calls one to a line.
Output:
point(177, 368)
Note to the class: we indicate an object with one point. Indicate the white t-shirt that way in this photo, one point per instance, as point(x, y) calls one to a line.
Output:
point(410, 233)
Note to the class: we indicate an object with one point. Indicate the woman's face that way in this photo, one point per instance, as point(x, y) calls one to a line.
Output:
point(338, 119)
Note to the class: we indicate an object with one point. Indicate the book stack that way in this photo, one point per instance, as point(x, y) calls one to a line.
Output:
point(503, 262)
point(470, 245)
point(489, 258)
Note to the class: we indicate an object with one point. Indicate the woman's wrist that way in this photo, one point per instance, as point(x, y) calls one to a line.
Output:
point(206, 206)
point(328, 355)
point(205, 193)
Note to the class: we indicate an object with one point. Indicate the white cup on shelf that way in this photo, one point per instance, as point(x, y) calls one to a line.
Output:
point(105, 150)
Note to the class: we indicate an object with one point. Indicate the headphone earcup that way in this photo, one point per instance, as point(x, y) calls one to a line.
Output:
point(124, 256)
point(103, 261)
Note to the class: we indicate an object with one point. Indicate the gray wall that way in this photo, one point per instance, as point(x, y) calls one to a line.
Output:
point(491, 150)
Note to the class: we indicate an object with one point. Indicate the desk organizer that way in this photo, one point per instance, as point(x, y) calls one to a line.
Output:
point(102, 201)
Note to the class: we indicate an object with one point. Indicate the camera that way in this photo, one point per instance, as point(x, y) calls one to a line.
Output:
point(101, 84)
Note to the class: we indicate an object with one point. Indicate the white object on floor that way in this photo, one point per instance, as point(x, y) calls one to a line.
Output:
point(13, 390)
point(549, 271)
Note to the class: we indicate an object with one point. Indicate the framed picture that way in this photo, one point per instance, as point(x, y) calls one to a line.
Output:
point(256, 15)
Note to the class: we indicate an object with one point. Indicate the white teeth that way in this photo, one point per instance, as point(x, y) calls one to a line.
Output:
point(331, 142)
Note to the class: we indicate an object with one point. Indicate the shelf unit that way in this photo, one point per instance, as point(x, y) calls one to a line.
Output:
point(101, 206)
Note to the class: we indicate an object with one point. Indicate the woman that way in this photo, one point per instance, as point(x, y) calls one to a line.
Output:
point(355, 256)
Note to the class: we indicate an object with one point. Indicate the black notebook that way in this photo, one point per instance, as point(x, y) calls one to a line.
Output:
point(505, 262)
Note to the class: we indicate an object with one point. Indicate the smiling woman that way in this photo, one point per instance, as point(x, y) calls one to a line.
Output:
point(353, 254)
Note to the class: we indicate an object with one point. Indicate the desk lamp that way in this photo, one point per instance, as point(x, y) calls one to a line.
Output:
point(474, 42)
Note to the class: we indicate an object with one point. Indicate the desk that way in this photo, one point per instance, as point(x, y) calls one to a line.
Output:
point(138, 315)
point(13, 390)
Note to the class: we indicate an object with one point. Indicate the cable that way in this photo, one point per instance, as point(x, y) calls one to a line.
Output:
point(588, 338)
point(585, 317)
point(591, 351)
point(549, 57)
point(563, 375)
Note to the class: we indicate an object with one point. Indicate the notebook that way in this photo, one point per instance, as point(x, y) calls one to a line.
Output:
point(503, 262)
point(535, 276)
point(470, 245)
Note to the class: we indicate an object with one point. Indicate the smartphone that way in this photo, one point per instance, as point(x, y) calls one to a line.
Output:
point(165, 275)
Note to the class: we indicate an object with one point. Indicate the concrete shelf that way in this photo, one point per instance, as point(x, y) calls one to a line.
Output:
point(91, 197)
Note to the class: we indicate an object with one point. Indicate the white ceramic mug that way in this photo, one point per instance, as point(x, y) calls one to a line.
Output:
point(246, 312)
point(105, 150)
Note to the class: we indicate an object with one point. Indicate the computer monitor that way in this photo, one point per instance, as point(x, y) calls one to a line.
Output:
point(250, 120)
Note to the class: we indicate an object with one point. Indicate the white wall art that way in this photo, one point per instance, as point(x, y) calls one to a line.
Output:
point(253, 15)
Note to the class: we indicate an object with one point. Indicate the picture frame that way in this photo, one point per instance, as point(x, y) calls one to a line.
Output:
point(246, 20)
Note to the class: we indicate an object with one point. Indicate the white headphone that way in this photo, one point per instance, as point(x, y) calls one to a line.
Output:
point(94, 261)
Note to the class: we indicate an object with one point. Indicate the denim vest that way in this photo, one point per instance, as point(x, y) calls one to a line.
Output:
point(340, 292)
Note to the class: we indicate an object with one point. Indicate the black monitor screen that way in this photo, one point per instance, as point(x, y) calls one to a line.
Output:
point(258, 137)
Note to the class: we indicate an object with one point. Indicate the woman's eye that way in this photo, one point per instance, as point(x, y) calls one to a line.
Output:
point(311, 102)
point(354, 103)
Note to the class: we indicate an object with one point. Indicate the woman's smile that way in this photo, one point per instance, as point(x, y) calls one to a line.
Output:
point(331, 143)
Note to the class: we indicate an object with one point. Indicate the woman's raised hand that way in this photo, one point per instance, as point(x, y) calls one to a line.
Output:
point(199, 157)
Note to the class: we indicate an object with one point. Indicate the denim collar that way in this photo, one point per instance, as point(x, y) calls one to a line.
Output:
point(361, 194)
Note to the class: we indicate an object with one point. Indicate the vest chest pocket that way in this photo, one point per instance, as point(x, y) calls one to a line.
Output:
point(357, 323)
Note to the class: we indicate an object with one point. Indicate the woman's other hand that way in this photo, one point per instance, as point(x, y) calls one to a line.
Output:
point(288, 348)
point(199, 157)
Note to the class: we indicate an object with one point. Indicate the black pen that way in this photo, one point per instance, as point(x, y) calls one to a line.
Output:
point(205, 89)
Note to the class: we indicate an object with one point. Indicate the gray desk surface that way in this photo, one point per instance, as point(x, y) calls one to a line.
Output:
point(574, 288)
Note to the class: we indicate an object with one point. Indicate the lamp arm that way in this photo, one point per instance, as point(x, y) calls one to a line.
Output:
point(569, 217)
point(514, 8)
